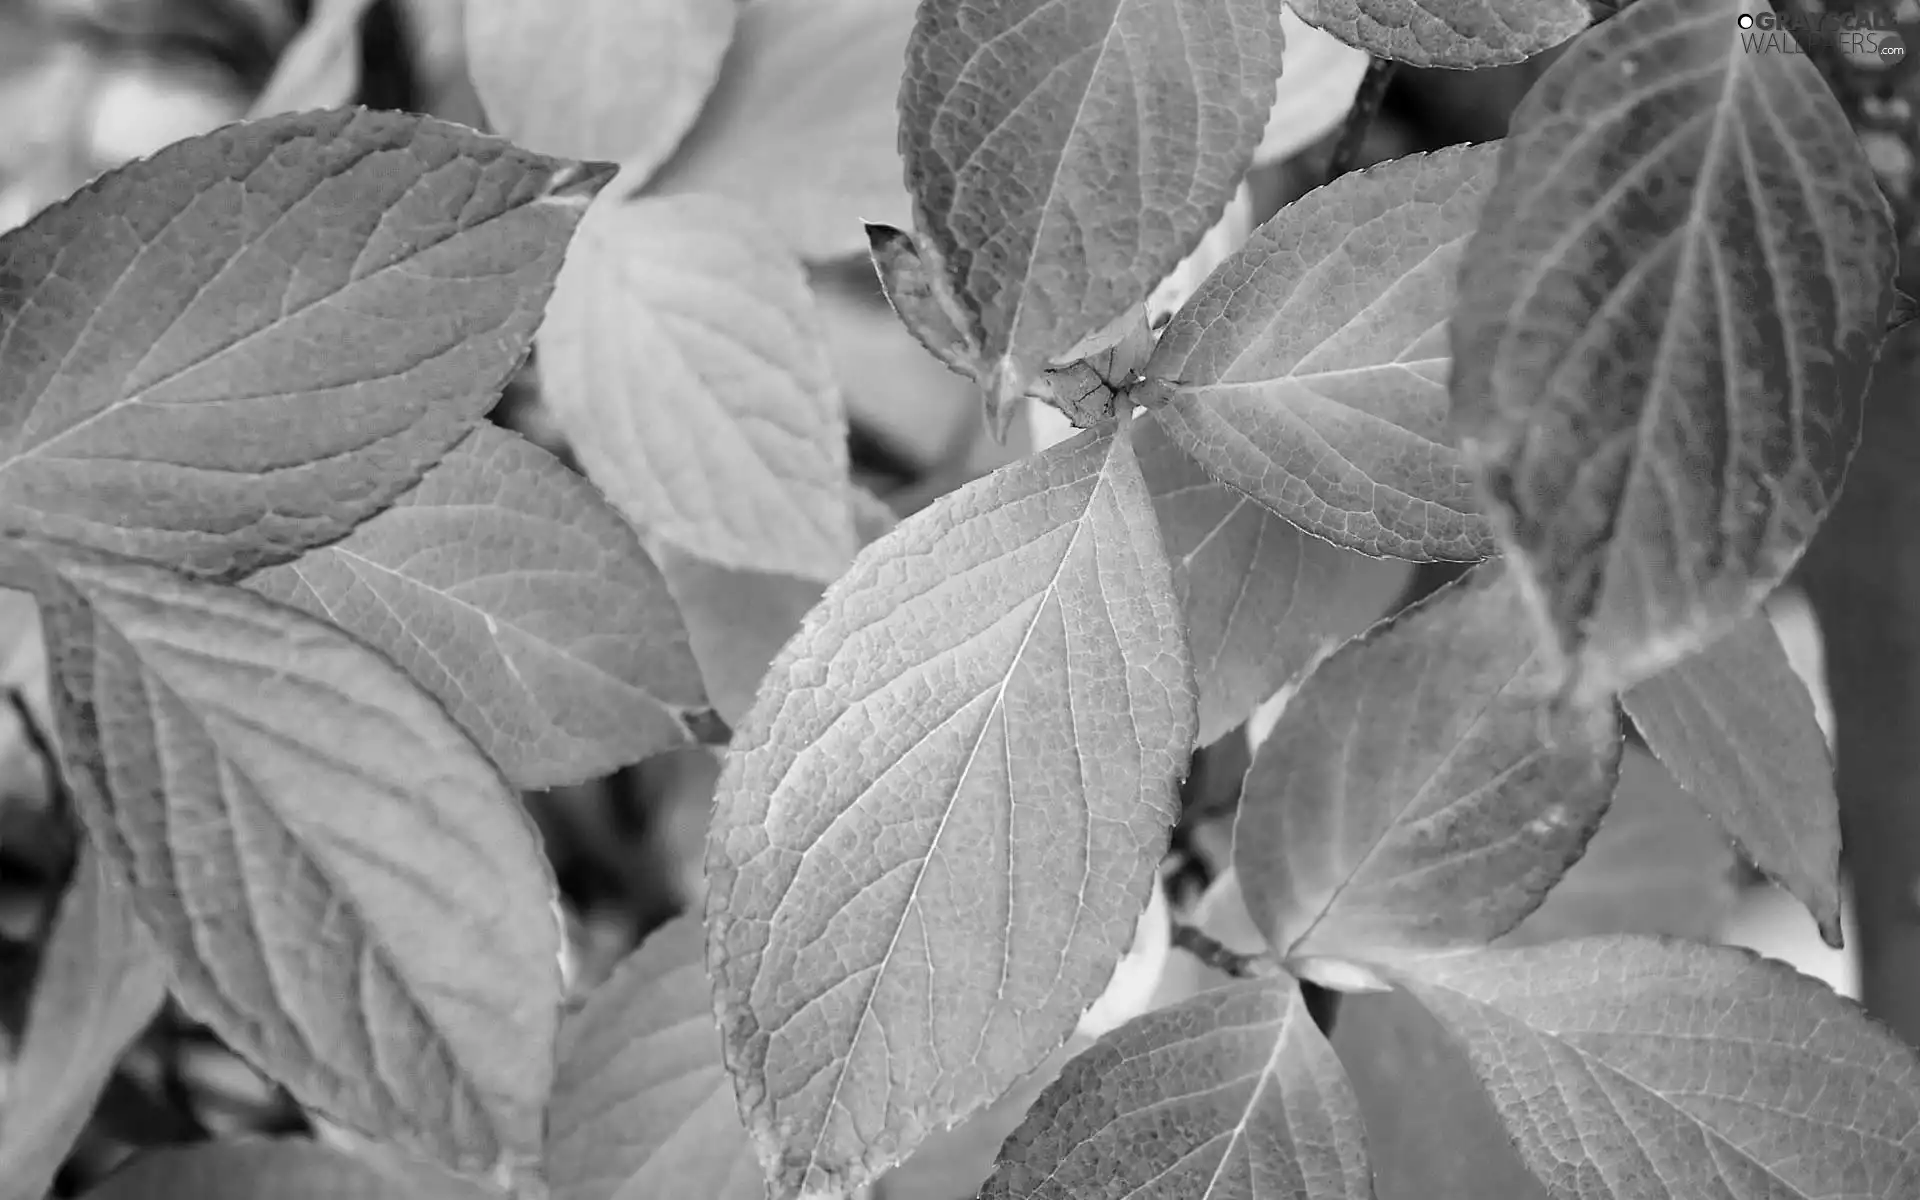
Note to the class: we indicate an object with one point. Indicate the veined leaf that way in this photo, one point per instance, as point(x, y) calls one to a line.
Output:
point(101, 983)
point(244, 346)
point(1665, 326)
point(938, 826)
point(1230, 1095)
point(616, 80)
point(344, 889)
point(1449, 33)
point(802, 122)
point(1632, 1069)
point(285, 1169)
point(642, 1106)
point(1064, 155)
point(1309, 370)
point(509, 589)
point(1407, 802)
point(1262, 600)
point(684, 360)
point(1735, 724)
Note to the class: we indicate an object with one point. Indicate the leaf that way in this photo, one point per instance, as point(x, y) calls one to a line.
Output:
point(285, 1169)
point(244, 346)
point(1064, 155)
point(1262, 600)
point(683, 357)
point(1233, 1093)
point(736, 622)
point(1406, 802)
point(1448, 33)
point(802, 122)
point(345, 890)
point(1665, 326)
point(1657, 866)
point(1633, 1069)
point(320, 68)
point(1736, 726)
point(509, 589)
point(100, 985)
point(1317, 87)
point(1432, 1132)
point(641, 1105)
point(1309, 370)
point(620, 80)
point(938, 826)
point(917, 289)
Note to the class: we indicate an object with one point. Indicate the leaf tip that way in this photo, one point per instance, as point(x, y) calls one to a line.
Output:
point(575, 184)
point(1001, 412)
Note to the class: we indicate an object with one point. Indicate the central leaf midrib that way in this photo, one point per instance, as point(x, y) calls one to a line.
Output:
point(1047, 596)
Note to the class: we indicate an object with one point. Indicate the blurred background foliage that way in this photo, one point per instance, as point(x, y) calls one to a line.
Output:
point(86, 85)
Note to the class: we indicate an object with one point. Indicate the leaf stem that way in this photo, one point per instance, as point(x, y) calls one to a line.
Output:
point(1209, 950)
point(1366, 105)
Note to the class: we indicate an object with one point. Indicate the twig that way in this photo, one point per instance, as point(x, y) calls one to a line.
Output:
point(1366, 105)
point(1208, 950)
point(37, 739)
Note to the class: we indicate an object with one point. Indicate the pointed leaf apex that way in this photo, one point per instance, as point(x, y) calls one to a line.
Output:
point(576, 184)
point(1002, 411)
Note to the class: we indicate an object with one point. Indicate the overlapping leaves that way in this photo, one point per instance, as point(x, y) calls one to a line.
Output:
point(510, 590)
point(344, 888)
point(1050, 188)
point(1309, 370)
point(1411, 798)
point(1665, 326)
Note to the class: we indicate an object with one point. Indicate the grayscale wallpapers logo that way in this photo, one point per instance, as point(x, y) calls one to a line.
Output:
point(1868, 36)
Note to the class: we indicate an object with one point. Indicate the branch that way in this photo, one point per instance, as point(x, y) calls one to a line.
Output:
point(1352, 145)
point(1209, 950)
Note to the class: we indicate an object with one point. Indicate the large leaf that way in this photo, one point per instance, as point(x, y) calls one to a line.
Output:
point(683, 358)
point(506, 586)
point(1063, 155)
point(1406, 801)
point(642, 1106)
point(249, 343)
point(284, 1169)
point(1309, 370)
point(1735, 724)
point(1632, 1069)
point(619, 80)
point(345, 889)
point(1665, 326)
point(1263, 601)
point(802, 123)
point(939, 824)
point(1449, 33)
point(1231, 1095)
point(100, 984)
